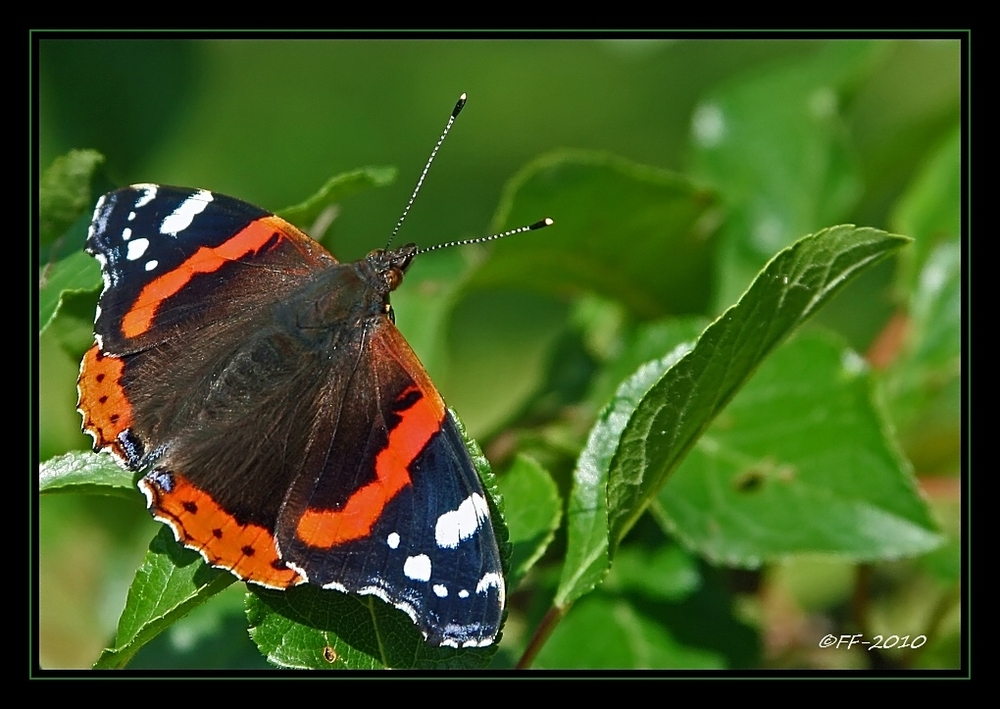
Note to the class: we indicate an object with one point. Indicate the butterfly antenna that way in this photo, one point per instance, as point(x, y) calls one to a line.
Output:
point(451, 120)
point(541, 224)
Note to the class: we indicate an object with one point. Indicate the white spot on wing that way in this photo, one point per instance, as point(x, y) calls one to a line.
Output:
point(148, 193)
point(146, 490)
point(150, 265)
point(418, 567)
point(490, 579)
point(126, 234)
point(105, 271)
point(181, 218)
point(463, 593)
point(392, 540)
point(379, 592)
point(454, 526)
point(93, 434)
point(440, 590)
point(332, 585)
point(99, 222)
point(298, 570)
point(136, 249)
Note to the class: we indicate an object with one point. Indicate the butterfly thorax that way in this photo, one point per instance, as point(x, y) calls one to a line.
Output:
point(344, 295)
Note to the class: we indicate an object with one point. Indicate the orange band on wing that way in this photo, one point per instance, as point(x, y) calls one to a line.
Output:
point(140, 316)
point(106, 410)
point(248, 550)
point(327, 528)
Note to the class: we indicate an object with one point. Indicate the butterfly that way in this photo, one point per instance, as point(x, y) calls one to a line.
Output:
point(283, 426)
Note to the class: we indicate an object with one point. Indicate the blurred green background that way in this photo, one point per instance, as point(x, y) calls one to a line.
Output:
point(269, 121)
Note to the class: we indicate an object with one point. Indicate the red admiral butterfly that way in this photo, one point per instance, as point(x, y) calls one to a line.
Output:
point(284, 427)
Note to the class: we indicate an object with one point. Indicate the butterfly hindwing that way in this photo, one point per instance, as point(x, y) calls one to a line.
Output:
point(416, 528)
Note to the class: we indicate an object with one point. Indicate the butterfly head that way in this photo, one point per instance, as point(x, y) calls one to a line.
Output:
point(391, 264)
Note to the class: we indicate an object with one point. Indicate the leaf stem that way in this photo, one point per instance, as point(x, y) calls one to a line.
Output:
point(541, 635)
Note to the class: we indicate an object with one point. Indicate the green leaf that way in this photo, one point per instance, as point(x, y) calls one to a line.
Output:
point(936, 310)
point(213, 635)
point(655, 610)
point(81, 472)
point(69, 270)
point(170, 583)
point(634, 446)
point(632, 233)
point(587, 557)
point(498, 347)
point(679, 407)
point(647, 342)
point(337, 188)
point(774, 145)
point(800, 462)
point(312, 628)
point(587, 515)
point(663, 573)
point(64, 192)
point(66, 198)
point(924, 385)
point(533, 513)
point(73, 326)
point(603, 632)
point(930, 211)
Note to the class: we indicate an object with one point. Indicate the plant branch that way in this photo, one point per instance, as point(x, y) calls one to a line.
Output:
point(541, 635)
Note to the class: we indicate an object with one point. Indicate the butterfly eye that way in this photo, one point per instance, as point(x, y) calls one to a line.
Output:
point(393, 277)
